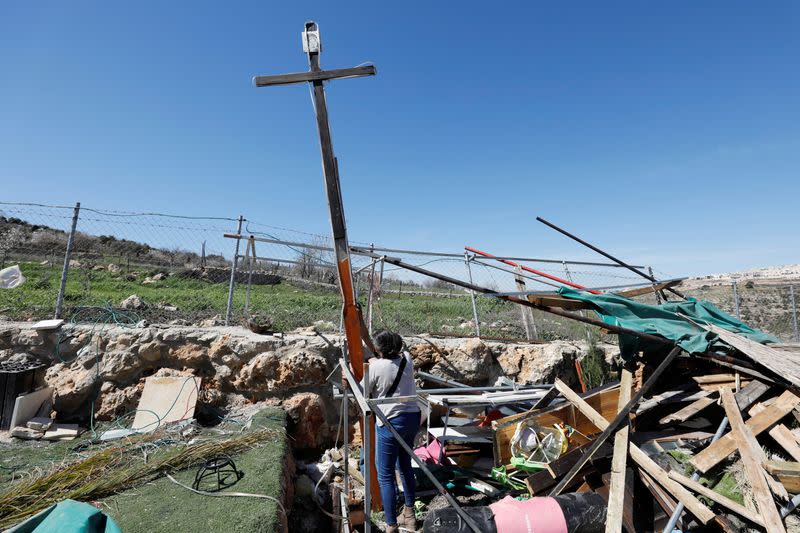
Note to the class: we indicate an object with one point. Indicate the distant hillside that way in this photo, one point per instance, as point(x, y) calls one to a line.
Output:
point(774, 275)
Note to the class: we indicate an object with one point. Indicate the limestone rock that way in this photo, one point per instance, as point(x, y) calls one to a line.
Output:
point(308, 425)
point(134, 301)
point(191, 355)
point(470, 363)
point(152, 351)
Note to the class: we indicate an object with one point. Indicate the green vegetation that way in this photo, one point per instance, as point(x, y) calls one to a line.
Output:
point(288, 304)
point(36, 467)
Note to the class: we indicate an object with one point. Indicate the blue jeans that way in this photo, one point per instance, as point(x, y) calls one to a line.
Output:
point(389, 453)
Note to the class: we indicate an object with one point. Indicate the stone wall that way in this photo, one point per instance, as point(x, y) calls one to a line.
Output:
point(106, 366)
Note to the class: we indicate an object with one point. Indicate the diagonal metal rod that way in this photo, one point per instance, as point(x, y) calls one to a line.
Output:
point(622, 416)
point(604, 254)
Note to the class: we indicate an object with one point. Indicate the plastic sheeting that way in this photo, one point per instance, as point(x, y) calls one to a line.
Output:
point(671, 320)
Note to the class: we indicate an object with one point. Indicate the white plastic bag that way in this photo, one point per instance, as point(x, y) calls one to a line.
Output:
point(11, 277)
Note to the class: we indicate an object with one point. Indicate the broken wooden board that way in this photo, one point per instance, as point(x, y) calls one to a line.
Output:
point(165, 400)
point(616, 492)
point(786, 439)
point(745, 442)
point(787, 472)
point(688, 412)
point(783, 363)
point(695, 506)
point(725, 446)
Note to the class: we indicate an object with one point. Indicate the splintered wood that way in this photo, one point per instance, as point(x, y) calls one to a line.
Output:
point(745, 441)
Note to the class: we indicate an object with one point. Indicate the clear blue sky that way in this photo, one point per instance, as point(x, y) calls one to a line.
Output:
point(668, 133)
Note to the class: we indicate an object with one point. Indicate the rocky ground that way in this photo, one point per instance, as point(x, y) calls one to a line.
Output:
point(105, 367)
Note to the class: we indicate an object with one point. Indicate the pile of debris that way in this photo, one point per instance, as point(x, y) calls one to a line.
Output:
point(700, 432)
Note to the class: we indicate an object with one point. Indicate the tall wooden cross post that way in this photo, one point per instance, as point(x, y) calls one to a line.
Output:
point(315, 76)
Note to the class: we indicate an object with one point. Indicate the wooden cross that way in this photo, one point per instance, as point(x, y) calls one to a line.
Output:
point(312, 46)
point(316, 76)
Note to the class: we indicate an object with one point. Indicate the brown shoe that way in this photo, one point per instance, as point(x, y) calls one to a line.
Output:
point(407, 520)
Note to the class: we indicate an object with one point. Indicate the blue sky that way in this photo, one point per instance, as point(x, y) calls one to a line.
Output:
point(667, 133)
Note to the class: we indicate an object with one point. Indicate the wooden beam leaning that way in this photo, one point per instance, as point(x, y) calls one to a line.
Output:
point(320, 75)
point(616, 495)
point(695, 506)
point(720, 450)
point(621, 417)
point(746, 443)
point(716, 497)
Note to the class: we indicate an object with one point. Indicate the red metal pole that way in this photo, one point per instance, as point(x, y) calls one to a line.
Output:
point(531, 270)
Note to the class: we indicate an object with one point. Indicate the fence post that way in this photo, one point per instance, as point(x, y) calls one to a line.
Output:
point(67, 254)
point(736, 300)
point(794, 314)
point(658, 296)
point(229, 310)
point(371, 290)
point(472, 297)
point(526, 312)
point(568, 275)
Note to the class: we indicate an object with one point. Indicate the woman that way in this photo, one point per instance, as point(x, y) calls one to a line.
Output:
point(392, 374)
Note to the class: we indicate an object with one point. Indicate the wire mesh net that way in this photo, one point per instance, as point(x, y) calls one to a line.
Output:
point(167, 268)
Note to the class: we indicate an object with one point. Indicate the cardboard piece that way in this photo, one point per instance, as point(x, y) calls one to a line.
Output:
point(165, 400)
point(27, 406)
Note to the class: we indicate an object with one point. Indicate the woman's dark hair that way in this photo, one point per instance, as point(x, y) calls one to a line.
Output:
point(389, 344)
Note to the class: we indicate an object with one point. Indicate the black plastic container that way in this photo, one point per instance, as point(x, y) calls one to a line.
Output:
point(15, 379)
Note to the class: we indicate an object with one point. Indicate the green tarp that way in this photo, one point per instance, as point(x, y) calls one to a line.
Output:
point(667, 321)
point(68, 516)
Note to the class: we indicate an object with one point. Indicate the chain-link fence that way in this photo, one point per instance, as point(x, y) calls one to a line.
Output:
point(766, 305)
point(166, 268)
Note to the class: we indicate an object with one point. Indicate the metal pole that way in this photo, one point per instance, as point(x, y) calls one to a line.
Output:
point(525, 312)
point(229, 310)
point(658, 296)
point(794, 314)
point(366, 449)
point(67, 254)
point(582, 313)
point(472, 297)
point(736, 300)
point(370, 291)
point(604, 254)
point(250, 245)
point(380, 294)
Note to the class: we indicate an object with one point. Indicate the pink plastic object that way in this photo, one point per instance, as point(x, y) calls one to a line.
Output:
point(539, 515)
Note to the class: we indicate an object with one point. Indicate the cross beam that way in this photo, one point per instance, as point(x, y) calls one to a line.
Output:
point(319, 75)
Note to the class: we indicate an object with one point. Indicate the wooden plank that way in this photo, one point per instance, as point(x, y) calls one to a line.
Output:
point(745, 441)
point(784, 364)
point(673, 396)
point(782, 467)
point(784, 437)
point(761, 422)
point(713, 387)
point(714, 378)
point(714, 496)
point(630, 293)
point(616, 494)
point(317, 75)
point(688, 412)
point(695, 506)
